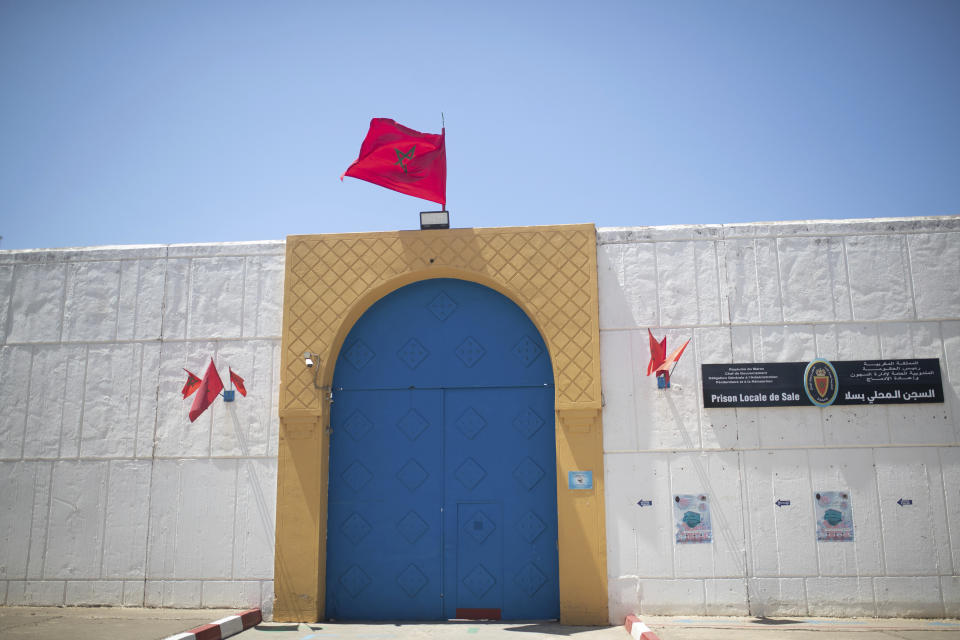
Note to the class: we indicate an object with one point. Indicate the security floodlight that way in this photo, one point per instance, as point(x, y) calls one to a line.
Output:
point(434, 220)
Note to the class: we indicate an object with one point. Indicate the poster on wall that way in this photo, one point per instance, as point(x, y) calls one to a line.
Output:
point(692, 515)
point(822, 383)
point(834, 516)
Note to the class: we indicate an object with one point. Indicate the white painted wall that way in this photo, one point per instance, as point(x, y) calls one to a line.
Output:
point(781, 292)
point(109, 494)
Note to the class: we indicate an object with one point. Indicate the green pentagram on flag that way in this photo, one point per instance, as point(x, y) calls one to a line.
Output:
point(401, 156)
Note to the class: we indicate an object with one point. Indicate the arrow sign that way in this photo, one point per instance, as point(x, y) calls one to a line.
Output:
point(782, 503)
point(903, 502)
point(645, 503)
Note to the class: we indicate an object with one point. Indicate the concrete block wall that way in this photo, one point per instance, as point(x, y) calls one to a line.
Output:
point(110, 495)
point(781, 292)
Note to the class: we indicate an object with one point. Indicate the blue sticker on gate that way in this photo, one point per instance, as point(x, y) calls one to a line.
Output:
point(580, 479)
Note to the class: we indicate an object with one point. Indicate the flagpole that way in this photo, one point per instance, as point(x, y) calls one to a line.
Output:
point(677, 361)
point(443, 131)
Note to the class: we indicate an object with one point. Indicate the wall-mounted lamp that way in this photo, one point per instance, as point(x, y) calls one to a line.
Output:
point(434, 220)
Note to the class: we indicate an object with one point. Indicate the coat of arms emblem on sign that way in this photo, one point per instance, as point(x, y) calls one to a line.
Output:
point(820, 382)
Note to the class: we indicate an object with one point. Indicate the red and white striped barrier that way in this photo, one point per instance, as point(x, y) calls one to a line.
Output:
point(223, 628)
point(638, 630)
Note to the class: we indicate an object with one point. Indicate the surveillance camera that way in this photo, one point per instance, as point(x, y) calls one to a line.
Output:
point(307, 361)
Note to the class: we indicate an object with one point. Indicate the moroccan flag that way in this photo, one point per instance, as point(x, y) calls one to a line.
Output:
point(193, 383)
point(658, 352)
point(404, 160)
point(237, 382)
point(674, 357)
point(211, 386)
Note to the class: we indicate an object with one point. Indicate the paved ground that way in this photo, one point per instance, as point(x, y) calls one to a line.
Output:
point(101, 623)
point(81, 623)
point(434, 631)
point(666, 628)
point(698, 628)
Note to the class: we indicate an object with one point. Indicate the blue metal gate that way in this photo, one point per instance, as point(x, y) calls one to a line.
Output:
point(442, 492)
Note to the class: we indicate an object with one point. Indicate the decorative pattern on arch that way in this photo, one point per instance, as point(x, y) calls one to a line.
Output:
point(549, 271)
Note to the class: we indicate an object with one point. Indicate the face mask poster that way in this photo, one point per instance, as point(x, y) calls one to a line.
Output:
point(822, 383)
point(691, 514)
point(834, 516)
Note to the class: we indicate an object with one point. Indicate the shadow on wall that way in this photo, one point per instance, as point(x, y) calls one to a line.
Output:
point(722, 526)
point(265, 517)
point(951, 400)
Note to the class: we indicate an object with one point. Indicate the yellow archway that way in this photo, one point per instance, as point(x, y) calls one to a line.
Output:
point(330, 280)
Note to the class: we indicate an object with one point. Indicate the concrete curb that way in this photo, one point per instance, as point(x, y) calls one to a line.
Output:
point(638, 630)
point(223, 628)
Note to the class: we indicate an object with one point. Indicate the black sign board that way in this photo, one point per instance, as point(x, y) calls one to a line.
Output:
point(822, 383)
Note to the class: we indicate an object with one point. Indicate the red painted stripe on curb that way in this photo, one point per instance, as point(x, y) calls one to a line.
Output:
point(247, 619)
point(646, 635)
point(251, 618)
point(207, 632)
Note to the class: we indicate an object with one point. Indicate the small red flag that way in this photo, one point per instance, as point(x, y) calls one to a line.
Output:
point(399, 158)
point(674, 357)
point(237, 382)
point(211, 386)
point(193, 382)
point(658, 352)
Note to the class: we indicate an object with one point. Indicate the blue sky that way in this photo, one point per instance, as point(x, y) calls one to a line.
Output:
point(182, 121)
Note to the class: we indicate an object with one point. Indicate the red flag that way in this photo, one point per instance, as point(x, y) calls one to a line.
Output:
point(237, 382)
point(674, 357)
point(658, 352)
point(404, 160)
point(193, 382)
point(211, 386)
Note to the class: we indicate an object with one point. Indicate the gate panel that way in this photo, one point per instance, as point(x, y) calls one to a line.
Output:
point(383, 523)
point(500, 450)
